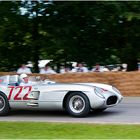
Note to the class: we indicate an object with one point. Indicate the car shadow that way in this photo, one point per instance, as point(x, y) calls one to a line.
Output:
point(105, 113)
point(37, 113)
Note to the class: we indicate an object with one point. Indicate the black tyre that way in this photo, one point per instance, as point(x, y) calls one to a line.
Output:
point(77, 104)
point(4, 104)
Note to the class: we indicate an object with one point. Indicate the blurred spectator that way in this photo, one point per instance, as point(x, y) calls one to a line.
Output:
point(115, 69)
point(80, 68)
point(64, 69)
point(47, 70)
point(105, 69)
point(97, 68)
point(120, 67)
point(24, 69)
point(124, 67)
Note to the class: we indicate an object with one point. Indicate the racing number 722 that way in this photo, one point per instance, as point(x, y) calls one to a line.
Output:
point(18, 95)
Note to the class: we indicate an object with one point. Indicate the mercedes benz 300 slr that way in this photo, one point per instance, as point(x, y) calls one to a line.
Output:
point(78, 99)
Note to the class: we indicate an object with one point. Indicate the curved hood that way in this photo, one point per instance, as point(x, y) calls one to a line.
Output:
point(105, 86)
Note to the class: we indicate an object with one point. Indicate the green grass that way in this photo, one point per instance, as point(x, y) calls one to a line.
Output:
point(41, 130)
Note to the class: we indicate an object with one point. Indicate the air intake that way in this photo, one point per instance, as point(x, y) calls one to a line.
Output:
point(111, 100)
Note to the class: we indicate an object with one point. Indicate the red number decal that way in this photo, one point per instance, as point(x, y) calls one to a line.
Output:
point(11, 91)
point(18, 95)
point(29, 90)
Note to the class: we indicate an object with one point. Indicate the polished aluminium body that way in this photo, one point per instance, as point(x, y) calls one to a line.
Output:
point(78, 99)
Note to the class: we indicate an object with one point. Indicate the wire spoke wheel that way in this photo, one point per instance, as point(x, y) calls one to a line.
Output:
point(77, 104)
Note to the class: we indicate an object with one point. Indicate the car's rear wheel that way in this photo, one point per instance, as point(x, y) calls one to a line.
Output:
point(77, 104)
point(4, 104)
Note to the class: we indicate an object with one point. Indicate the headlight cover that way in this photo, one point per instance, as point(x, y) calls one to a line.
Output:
point(98, 92)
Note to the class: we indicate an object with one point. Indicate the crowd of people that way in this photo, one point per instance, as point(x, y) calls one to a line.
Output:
point(80, 67)
point(23, 71)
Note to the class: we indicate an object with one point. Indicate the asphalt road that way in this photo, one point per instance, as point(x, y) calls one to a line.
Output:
point(127, 112)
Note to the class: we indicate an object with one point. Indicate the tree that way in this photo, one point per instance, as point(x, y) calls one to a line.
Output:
point(89, 31)
point(13, 48)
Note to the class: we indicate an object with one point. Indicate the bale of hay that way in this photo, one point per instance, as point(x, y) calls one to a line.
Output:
point(127, 82)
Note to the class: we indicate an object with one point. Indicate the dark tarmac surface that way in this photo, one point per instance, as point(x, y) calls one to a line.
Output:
point(127, 112)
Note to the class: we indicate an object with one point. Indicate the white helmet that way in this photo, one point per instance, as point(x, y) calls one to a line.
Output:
point(22, 76)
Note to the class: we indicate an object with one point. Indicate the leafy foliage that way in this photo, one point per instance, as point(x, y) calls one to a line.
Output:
point(91, 32)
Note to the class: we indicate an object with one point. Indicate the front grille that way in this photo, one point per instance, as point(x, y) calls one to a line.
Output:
point(111, 100)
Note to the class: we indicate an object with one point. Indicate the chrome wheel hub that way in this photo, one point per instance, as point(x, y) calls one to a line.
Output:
point(77, 104)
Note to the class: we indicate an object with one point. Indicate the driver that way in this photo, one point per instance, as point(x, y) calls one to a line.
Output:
point(24, 80)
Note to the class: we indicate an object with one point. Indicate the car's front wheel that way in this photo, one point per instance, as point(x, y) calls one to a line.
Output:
point(77, 104)
point(4, 104)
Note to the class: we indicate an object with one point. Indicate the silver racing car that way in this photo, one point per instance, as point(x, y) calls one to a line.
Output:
point(78, 99)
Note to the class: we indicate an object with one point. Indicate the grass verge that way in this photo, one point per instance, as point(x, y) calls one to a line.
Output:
point(41, 130)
